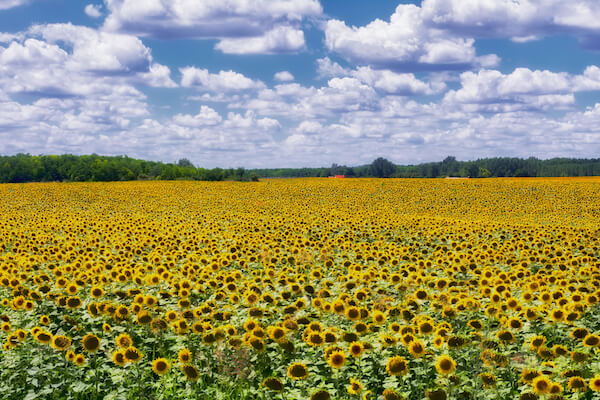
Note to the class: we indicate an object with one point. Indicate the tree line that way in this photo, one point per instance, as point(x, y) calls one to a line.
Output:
point(450, 167)
point(87, 168)
point(71, 168)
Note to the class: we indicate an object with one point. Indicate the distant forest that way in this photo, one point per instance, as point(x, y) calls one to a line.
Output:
point(72, 168)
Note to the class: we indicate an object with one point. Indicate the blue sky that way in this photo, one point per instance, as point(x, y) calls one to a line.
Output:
point(274, 83)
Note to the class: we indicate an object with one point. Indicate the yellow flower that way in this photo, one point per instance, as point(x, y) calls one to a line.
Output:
point(90, 343)
point(445, 365)
point(396, 365)
point(297, 371)
point(355, 386)
point(336, 359)
point(161, 366)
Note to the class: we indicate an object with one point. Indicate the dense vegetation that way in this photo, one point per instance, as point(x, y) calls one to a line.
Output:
point(482, 168)
point(28, 168)
point(301, 289)
point(44, 168)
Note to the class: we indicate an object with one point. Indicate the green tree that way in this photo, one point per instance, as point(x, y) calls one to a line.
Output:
point(382, 168)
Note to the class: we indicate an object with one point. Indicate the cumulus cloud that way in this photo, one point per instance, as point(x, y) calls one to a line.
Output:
point(520, 20)
point(282, 39)
point(403, 43)
point(224, 81)
point(93, 11)
point(493, 91)
point(6, 4)
point(207, 116)
point(283, 76)
point(258, 26)
point(390, 82)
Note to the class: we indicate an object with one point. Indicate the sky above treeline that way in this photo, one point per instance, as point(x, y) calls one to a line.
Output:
point(291, 83)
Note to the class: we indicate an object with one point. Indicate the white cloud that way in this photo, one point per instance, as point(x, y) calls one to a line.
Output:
point(6, 4)
point(523, 89)
point(395, 83)
point(226, 81)
point(283, 76)
point(282, 39)
point(405, 84)
point(523, 20)
point(258, 26)
point(206, 116)
point(93, 10)
point(330, 69)
point(405, 42)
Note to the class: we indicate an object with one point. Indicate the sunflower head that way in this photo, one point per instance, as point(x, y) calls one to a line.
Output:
point(90, 343)
point(190, 372)
point(355, 386)
point(161, 366)
point(445, 365)
point(320, 395)
point(184, 356)
point(132, 354)
point(396, 365)
point(273, 384)
point(336, 359)
point(356, 349)
point(118, 357)
point(297, 371)
point(541, 384)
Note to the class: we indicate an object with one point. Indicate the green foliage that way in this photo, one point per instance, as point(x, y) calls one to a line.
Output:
point(70, 168)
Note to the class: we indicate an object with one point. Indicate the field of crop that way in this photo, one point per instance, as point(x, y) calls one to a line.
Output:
point(301, 289)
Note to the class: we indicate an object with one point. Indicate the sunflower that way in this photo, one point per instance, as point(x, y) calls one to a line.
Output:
point(355, 386)
point(132, 354)
point(320, 395)
point(315, 339)
point(96, 292)
point(273, 384)
point(43, 337)
point(257, 343)
point(124, 340)
point(336, 359)
point(445, 365)
point(528, 375)
point(297, 371)
point(487, 379)
point(396, 365)
point(356, 349)
point(541, 384)
point(591, 340)
point(506, 336)
point(184, 356)
point(379, 318)
point(90, 343)
point(161, 366)
point(191, 373)
point(61, 342)
point(416, 348)
point(44, 320)
point(426, 328)
point(144, 318)
point(438, 394)
point(389, 394)
point(579, 333)
point(79, 360)
point(118, 357)
point(595, 383)
point(576, 384)
point(537, 341)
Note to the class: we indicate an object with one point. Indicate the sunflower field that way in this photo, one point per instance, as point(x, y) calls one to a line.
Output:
point(301, 289)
